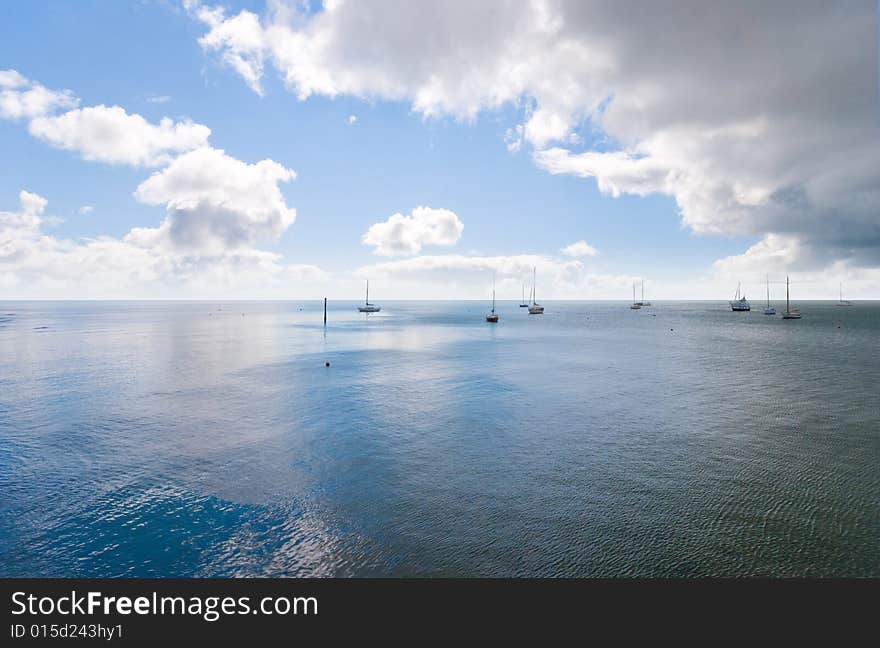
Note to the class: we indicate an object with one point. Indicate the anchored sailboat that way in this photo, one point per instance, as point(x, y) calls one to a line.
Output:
point(739, 302)
point(535, 308)
point(769, 310)
point(493, 316)
point(524, 303)
point(368, 307)
point(635, 305)
point(790, 313)
point(841, 301)
point(643, 302)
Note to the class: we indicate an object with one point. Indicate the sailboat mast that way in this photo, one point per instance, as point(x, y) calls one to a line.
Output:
point(534, 285)
point(493, 293)
point(368, 291)
point(787, 308)
point(643, 290)
point(768, 291)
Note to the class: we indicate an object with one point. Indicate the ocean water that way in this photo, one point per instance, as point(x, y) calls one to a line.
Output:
point(209, 439)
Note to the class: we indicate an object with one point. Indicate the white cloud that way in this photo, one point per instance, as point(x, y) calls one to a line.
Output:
point(85, 210)
point(470, 277)
point(34, 265)
point(239, 40)
point(579, 249)
point(403, 235)
point(22, 98)
point(615, 172)
point(774, 253)
point(99, 133)
point(513, 138)
point(217, 208)
point(12, 79)
point(110, 134)
point(158, 99)
point(23, 224)
point(352, 119)
point(214, 201)
point(756, 119)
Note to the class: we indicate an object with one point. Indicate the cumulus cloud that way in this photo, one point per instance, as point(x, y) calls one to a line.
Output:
point(21, 224)
point(757, 118)
point(99, 133)
point(773, 253)
point(12, 79)
point(404, 235)
point(33, 264)
point(579, 249)
point(214, 201)
point(110, 134)
point(21, 98)
point(217, 208)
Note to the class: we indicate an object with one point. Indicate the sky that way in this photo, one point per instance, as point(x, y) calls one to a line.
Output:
point(190, 149)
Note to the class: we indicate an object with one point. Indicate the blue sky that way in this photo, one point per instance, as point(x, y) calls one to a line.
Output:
point(649, 219)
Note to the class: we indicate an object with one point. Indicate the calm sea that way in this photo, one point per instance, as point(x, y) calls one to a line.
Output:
point(209, 439)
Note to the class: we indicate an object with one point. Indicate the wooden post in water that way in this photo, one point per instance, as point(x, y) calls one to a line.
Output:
point(325, 311)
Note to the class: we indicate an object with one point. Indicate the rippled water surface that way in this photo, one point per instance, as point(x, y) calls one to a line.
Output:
point(205, 439)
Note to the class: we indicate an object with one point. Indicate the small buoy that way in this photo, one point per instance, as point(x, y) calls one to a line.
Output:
point(326, 364)
point(671, 329)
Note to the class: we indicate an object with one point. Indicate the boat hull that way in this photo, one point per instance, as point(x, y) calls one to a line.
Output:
point(492, 319)
point(369, 309)
point(536, 310)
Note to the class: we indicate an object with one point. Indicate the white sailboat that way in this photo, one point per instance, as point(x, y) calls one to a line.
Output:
point(841, 301)
point(790, 313)
point(739, 302)
point(368, 307)
point(535, 308)
point(769, 310)
point(493, 316)
point(635, 305)
point(524, 303)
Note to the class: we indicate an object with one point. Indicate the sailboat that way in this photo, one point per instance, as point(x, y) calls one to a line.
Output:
point(739, 302)
point(493, 316)
point(524, 303)
point(769, 310)
point(841, 301)
point(535, 308)
point(368, 307)
point(635, 305)
point(790, 313)
point(643, 302)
